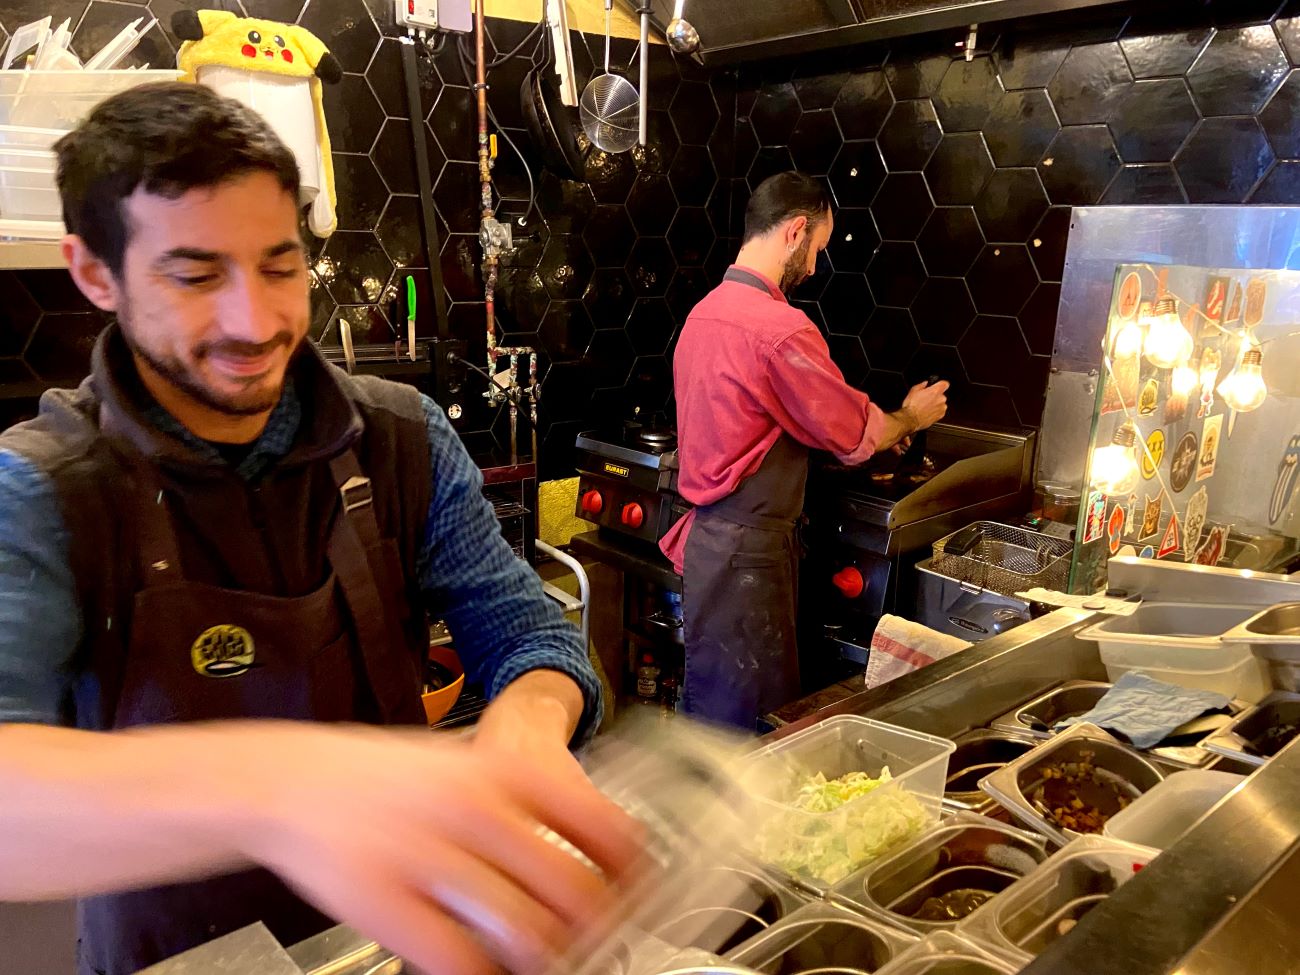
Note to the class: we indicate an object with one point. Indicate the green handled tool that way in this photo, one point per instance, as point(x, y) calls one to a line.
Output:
point(410, 317)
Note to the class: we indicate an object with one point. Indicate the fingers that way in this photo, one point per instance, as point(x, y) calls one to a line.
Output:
point(941, 386)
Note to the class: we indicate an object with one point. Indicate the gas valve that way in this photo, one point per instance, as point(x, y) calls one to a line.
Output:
point(495, 237)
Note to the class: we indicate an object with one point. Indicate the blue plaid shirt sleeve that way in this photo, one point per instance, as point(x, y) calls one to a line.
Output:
point(501, 622)
point(40, 619)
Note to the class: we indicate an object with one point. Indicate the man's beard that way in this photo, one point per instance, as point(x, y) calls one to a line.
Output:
point(795, 271)
point(250, 402)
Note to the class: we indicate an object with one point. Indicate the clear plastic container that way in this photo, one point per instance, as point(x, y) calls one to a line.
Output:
point(29, 194)
point(1181, 643)
point(1045, 905)
point(61, 99)
point(961, 866)
point(823, 848)
point(823, 938)
point(30, 137)
point(1160, 817)
point(944, 953)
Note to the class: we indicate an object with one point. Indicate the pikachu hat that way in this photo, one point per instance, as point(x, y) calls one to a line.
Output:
point(299, 61)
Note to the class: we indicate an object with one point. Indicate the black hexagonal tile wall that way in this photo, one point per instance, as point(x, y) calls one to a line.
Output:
point(609, 297)
point(354, 267)
point(346, 28)
point(566, 331)
point(461, 264)
point(774, 114)
point(910, 135)
point(950, 241)
point(650, 267)
point(857, 174)
point(1029, 61)
point(818, 89)
point(889, 339)
point(650, 327)
point(943, 310)
point(814, 142)
point(1002, 279)
point(1288, 30)
point(18, 314)
point(1048, 243)
point(1038, 318)
point(456, 194)
point(1223, 160)
point(1238, 71)
point(1079, 165)
point(455, 125)
point(651, 205)
point(1145, 186)
point(895, 274)
point(690, 236)
point(993, 351)
point(395, 160)
point(693, 176)
point(610, 358)
point(1154, 121)
point(1091, 83)
point(846, 303)
point(361, 194)
point(769, 161)
point(847, 353)
point(942, 362)
point(102, 22)
point(958, 169)
point(1020, 127)
point(854, 239)
point(963, 97)
point(609, 236)
point(916, 73)
point(1281, 187)
point(902, 206)
point(1279, 117)
point(352, 114)
point(610, 175)
point(401, 232)
point(1011, 204)
point(566, 268)
point(863, 104)
point(1163, 45)
point(690, 285)
point(694, 113)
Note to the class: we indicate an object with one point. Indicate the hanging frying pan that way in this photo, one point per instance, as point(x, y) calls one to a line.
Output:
point(550, 124)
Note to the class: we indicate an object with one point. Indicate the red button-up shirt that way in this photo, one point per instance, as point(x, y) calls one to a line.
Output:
point(748, 368)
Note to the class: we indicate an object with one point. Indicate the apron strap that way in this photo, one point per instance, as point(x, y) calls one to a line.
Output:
point(738, 275)
point(160, 553)
point(355, 554)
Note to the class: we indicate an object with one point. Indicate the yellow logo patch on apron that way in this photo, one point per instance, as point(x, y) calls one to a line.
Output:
point(222, 651)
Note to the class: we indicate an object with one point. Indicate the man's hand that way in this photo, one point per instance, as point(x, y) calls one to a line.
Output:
point(926, 404)
point(534, 718)
point(429, 844)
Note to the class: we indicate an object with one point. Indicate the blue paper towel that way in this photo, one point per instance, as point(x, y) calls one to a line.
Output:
point(1145, 710)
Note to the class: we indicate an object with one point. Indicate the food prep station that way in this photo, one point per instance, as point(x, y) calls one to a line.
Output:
point(992, 874)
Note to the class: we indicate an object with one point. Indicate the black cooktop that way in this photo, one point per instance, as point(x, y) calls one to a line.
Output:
point(651, 440)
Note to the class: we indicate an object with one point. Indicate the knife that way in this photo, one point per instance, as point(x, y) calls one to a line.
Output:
point(410, 317)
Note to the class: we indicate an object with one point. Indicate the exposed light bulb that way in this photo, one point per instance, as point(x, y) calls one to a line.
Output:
point(1183, 380)
point(1167, 341)
point(1128, 341)
point(1115, 466)
point(1244, 388)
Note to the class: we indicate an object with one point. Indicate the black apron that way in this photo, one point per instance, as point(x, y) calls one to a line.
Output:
point(335, 654)
point(739, 596)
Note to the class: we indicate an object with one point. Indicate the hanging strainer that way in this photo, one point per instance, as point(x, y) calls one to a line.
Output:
point(610, 105)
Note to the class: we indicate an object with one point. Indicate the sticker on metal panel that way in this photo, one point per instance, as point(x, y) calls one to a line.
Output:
point(1151, 515)
point(1148, 552)
point(1154, 454)
point(1170, 543)
point(1212, 551)
point(1130, 296)
point(1198, 506)
point(1215, 299)
point(1234, 306)
point(1183, 464)
point(223, 651)
point(1115, 528)
point(1210, 436)
point(1256, 295)
point(1149, 398)
point(1095, 525)
point(1288, 473)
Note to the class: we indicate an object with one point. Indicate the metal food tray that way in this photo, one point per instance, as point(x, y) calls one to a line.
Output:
point(1003, 558)
point(980, 752)
point(823, 938)
point(1014, 785)
point(1036, 718)
point(1233, 740)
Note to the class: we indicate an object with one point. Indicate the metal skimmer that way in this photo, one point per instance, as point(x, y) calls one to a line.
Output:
point(610, 105)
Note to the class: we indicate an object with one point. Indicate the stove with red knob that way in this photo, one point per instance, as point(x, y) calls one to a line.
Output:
point(628, 481)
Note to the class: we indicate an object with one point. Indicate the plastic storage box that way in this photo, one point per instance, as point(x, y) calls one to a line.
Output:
point(1181, 643)
point(1046, 905)
point(61, 99)
point(1159, 818)
point(823, 848)
point(823, 938)
point(944, 953)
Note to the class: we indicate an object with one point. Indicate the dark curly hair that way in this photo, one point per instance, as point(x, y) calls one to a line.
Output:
point(168, 138)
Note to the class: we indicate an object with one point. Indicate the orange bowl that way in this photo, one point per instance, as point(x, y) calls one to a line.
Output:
point(438, 703)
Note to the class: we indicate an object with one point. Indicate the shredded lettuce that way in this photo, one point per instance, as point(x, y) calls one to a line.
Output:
point(829, 848)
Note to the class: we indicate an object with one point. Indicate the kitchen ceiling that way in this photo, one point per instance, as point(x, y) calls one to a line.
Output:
point(732, 32)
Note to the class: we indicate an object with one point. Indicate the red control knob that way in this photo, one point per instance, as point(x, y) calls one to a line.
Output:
point(849, 581)
point(593, 503)
point(633, 516)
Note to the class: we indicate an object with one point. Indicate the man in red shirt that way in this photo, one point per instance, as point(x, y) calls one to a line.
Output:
point(756, 389)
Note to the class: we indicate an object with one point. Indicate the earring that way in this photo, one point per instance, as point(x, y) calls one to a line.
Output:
point(790, 249)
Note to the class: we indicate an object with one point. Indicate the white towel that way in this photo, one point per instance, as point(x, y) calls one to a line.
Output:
point(900, 646)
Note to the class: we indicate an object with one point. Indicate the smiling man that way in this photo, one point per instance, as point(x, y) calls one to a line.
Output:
point(219, 529)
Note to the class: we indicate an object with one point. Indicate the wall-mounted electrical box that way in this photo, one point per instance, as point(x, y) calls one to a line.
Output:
point(454, 15)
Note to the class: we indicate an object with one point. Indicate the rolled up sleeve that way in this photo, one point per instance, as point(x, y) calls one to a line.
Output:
point(40, 618)
point(817, 407)
point(502, 623)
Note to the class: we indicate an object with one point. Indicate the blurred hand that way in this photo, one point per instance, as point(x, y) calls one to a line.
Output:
point(430, 845)
point(927, 404)
point(534, 718)
point(902, 446)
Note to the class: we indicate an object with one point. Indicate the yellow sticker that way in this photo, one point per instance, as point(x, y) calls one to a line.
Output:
point(222, 651)
point(616, 470)
point(1154, 454)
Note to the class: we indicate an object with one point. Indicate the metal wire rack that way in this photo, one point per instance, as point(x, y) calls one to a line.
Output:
point(1003, 558)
